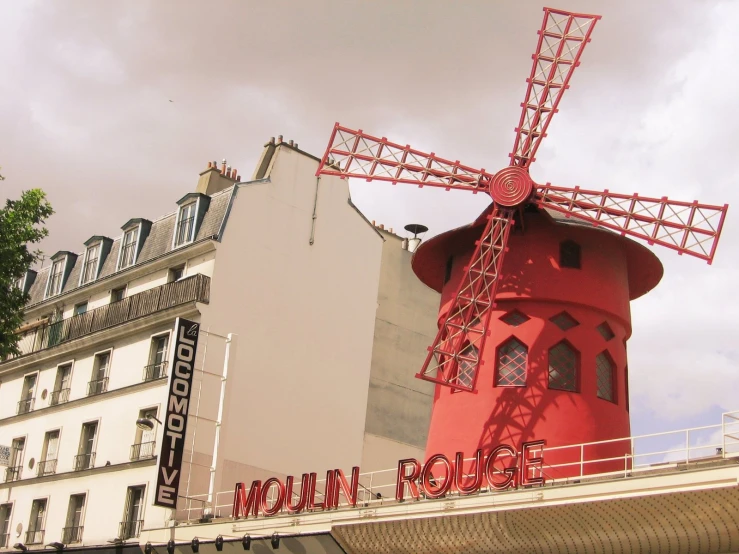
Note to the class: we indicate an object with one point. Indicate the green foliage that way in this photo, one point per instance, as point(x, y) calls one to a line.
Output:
point(21, 223)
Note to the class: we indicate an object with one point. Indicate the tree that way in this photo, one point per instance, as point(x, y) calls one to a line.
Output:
point(21, 224)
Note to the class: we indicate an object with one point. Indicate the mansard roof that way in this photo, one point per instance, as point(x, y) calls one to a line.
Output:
point(156, 244)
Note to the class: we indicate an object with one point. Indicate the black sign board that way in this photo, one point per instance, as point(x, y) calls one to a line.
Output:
point(178, 405)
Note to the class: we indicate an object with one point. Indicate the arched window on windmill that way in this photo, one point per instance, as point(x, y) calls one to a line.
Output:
point(569, 254)
point(511, 362)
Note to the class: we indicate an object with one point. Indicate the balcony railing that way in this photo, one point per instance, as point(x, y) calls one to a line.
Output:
point(59, 397)
point(98, 386)
point(72, 534)
point(155, 371)
point(130, 529)
point(12, 473)
point(34, 537)
point(191, 289)
point(84, 461)
point(143, 450)
point(47, 467)
point(25, 406)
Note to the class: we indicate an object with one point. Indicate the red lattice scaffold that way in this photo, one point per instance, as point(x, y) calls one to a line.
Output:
point(453, 359)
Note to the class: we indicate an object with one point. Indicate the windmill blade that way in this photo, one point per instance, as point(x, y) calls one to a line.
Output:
point(353, 153)
point(454, 358)
point(562, 39)
point(688, 227)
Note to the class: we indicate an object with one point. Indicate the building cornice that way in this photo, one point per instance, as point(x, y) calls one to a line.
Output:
point(54, 477)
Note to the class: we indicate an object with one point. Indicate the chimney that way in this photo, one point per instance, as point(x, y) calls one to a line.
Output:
point(213, 180)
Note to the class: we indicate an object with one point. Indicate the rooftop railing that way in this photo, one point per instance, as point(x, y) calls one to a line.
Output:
point(190, 289)
point(666, 452)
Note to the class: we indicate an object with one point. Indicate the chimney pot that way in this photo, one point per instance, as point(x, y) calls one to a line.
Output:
point(279, 139)
point(209, 165)
point(382, 226)
point(290, 142)
point(391, 229)
point(373, 223)
point(271, 140)
point(238, 178)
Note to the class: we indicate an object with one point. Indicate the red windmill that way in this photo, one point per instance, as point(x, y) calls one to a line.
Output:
point(550, 379)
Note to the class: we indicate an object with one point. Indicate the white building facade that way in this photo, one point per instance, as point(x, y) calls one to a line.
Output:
point(289, 283)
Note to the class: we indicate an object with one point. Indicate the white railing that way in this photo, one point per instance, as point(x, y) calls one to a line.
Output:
point(654, 452)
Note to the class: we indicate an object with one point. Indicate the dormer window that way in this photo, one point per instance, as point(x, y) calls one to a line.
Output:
point(185, 224)
point(92, 262)
point(54, 284)
point(128, 248)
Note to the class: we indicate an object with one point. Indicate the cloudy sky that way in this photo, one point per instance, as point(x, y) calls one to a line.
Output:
point(114, 108)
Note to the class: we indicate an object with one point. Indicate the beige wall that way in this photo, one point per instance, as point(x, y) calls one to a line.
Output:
point(399, 405)
point(304, 315)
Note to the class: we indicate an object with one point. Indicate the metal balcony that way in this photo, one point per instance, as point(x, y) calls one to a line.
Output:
point(72, 534)
point(130, 529)
point(59, 397)
point(143, 450)
point(155, 371)
point(98, 386)
point(84, 461)
point(12, 474)
point(25, 406)
point(35, 537)
point(47, 467)
point(190, 289)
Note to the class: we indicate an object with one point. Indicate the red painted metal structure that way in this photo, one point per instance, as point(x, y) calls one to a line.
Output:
point(501, 333)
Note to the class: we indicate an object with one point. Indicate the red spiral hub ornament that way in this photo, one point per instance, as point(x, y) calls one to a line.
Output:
point(511, 186)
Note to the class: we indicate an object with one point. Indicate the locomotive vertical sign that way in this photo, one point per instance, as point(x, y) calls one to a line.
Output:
point(178, 404)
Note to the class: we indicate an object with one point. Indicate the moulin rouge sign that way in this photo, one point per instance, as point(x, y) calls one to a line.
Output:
point(500, 469)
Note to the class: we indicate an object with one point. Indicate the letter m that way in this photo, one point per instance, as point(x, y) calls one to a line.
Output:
point(243, 503)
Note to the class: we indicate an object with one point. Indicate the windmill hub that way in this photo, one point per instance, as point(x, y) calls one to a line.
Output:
point(511, 186)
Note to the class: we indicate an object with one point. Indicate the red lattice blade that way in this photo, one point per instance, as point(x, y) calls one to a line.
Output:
point(562, 39)
point(353, 153)
point(454, 358)
point(688, 227)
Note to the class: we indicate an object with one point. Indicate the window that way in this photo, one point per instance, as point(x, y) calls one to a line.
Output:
point(19, 283)
point(604, 374)
point(72, 532)
point(128, 248)
point(35, 533)
point(80, 308)
point(62, 385)
point(85, 457)
point(54, 285)
point(511, 364)
point(175, 274)
point(27, 394)
point(448, 269)
point(99, 382)
point(13, 471)
point(605, 331)
point(133, 513)
point(145, 446)
point(514, 318)
point(90, 267)
point(47, 465)
point(185, 224)
point(564, 362)
point(5, 511)
point(564, 321)
point(466, 368)
point(569, 254)
point(116, 295)
point(157, 367)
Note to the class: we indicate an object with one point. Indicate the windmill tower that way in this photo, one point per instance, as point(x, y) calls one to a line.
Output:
point(534, 315)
